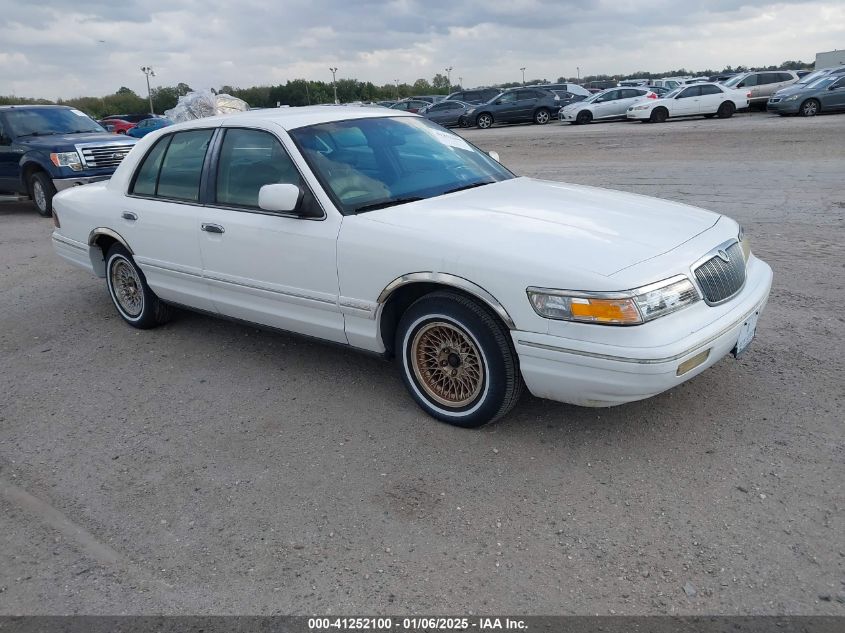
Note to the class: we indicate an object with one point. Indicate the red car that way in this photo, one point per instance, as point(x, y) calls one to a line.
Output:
point(118, 126)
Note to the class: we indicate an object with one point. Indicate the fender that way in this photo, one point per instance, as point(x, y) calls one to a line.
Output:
point(39, 159)
point(447, 279)
point(102, 230)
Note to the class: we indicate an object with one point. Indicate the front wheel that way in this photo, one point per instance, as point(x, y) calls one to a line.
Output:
point(542, 116)
point(726, 110)
point(584, 117)
point(810, 107)
point(136, 303)
point(42, 190)
point(484, 121)
point(659, 115)
point(457, 360)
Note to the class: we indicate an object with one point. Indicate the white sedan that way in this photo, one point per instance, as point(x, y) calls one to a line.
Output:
point(701, 99)
point(385, 232)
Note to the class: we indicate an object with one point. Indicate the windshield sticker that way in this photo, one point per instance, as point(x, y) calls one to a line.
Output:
point(78, 113)
point(447, 138)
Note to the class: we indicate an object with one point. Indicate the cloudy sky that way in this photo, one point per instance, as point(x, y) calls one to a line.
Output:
point(55, 48)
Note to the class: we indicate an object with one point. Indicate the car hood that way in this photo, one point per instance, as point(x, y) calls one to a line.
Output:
point(598, 230)
point(53, 140)
point(792, 90)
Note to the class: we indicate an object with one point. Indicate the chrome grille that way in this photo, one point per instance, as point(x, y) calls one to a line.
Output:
point(105, 155)
point(720, 280)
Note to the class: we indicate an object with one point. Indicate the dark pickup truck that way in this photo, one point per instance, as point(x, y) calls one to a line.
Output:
point(44, 149)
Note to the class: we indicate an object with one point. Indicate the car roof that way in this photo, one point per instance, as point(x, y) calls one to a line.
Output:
point(33, 105)
point(292, 118)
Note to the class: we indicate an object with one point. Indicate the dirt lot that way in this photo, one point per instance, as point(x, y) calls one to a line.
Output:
point(208, 467)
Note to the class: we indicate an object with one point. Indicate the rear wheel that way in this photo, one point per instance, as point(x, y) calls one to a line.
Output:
point(457, 360)
point(810, 107)
point(484, 121)
point(726, 110)
point(542, 116)
point(135, 302)
point(659, 115)
point(42, 190)
point(584, 117)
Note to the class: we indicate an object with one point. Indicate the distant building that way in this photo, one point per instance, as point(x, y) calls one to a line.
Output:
point(830, 59)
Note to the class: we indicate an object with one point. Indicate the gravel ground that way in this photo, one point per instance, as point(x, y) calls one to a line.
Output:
point(208, 467)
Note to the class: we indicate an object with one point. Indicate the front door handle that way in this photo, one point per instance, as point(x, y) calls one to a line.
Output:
point(212, 228)
point(128, 215)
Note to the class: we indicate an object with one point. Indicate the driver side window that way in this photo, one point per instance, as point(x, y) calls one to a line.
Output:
point(250, 159)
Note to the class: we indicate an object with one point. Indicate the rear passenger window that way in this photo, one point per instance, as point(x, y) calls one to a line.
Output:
point(709, 89)
point(147, 177)
point(250, 159)
point(181, 169)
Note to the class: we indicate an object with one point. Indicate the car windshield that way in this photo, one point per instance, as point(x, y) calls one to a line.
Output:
point(47, 121)
point(813, 76)
point(371, 163)
point(823, 82)
point(734, 80)
point(669, 95)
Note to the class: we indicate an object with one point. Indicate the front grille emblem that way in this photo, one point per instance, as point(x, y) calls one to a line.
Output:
point(723, 255)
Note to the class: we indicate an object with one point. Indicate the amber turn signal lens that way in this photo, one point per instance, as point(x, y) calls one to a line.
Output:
point(605, 310)
point(691, 363)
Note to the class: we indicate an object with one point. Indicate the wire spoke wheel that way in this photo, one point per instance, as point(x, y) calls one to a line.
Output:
point(447, 364)
point(127, 287)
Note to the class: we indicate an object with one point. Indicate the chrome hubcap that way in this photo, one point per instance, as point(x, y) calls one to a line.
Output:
point(127, 288)
point(39, 196)
point(447, 364)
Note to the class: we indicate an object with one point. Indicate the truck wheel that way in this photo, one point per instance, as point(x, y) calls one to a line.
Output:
point(42, 191)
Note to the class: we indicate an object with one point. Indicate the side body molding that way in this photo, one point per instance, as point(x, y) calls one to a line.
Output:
point(448, 280)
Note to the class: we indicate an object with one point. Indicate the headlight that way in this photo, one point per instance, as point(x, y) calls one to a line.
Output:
point(792, 98)
point(471, 110)
point(744, 244)
point(67, 159)
point(630, 307)
point(642, 107)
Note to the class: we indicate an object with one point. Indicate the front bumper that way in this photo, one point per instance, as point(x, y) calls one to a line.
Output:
point(781, 106)
point(66, 183)
point(637, 114)
point(597, 375)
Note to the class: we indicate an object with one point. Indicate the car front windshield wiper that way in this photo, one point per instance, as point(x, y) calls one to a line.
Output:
point(36, 133)
point(385, 203)
point(472, 186)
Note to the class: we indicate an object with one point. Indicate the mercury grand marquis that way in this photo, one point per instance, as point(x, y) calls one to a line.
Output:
point(384, 232)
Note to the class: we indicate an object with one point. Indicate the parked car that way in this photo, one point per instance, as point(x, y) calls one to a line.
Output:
point(409, 105)
point(132, 118)
point(517, 105)
point(392, 235)
point(448, 113)
point(474, 96)
point(706, 100)
point(116, 126)
point(763, 84)
point(149, 125)
point(825, 94)
point(604, 106)
point(428, 98)
point(573, 89)
point(44, 149)
point(384, 104)
point(660, 90)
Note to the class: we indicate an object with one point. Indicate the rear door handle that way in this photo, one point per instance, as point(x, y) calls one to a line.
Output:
point(212, 228)
point(128, 215)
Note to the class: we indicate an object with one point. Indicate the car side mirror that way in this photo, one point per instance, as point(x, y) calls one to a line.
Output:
point(281, 197)
point(494, 156)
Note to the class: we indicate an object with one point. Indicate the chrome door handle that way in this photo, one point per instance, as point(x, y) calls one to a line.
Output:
point(128, 215)
point(212, 228)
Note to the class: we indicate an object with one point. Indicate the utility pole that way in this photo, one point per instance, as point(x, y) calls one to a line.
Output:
point(578, 70)
point(396, 81)
point(149, 72)
point(461, 82)
point(523, 75)
point(449, 80)
point(334, 83)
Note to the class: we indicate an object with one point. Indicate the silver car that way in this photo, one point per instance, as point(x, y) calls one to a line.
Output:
point(762, 84)
point(604, 106)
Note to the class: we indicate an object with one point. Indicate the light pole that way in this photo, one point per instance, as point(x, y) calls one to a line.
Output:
point(578, 70)
point(523, 75)
point(334, 83)
point(149, 72)
point(396, 81)
point(449, 80)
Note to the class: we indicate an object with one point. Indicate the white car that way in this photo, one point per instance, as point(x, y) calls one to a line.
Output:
point(385, 232)
point(604, 106)
point(702, 99)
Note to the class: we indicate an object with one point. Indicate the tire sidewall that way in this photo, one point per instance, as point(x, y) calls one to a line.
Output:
point(146, 318)
point(488, 403)
point(42, 182)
